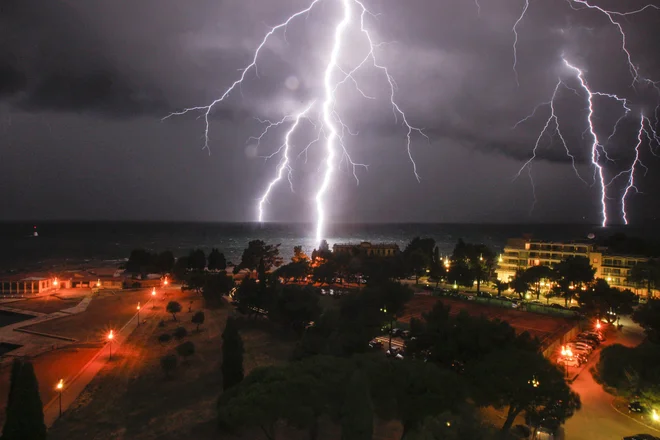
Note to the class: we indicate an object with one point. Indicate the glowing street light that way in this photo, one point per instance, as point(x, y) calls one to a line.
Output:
point(138, 314)
point(111, 336)
point(98, 282)
point(59, 387)
point(655, 416)
point(153, 298)
point(598, 324)
point(534, 382)
point(165, 282)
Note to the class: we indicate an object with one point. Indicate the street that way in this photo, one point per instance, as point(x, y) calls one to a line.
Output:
point(598, 419)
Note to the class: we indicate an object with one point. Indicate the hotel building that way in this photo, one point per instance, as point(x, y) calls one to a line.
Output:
point(523, 253)
point(378, 249)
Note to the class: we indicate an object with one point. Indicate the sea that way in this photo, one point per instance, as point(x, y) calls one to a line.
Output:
point(71, 244)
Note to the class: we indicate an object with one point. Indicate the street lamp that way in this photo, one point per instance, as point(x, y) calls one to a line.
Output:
point(153, 298)
point(534, 382)
point(59, 387)
point(598, 324)
point(111, 335)
point(384, 310)
point(165, 282)
point(98, 282)
point(138, 313)
point(655, 416)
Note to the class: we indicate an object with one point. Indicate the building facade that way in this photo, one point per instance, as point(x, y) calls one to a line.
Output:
point(26, 286)
point(523, 253)
point(367, 248)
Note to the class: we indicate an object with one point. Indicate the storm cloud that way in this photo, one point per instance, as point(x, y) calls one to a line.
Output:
point(94, 79)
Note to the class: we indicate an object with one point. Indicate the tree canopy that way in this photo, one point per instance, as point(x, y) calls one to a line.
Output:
point(258, 252)
point(24, 411)
point(648, 316)
point(216, 260)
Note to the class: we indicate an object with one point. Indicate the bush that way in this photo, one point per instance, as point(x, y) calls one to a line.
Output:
point(173, 307)
point(180, 332)
point(168, 363)
point(161, 323)
point(165, 337)
point(186, 349)
point(198, 318)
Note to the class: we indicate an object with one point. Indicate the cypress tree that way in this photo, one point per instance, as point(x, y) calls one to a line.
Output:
point(25, 415)
point(357, 418)
point(232, 355)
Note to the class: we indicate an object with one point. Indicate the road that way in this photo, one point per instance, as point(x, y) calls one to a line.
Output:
point(598, 419)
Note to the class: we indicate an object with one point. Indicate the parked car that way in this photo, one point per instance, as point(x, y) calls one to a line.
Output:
point(515, 304)
point(589, 342)
point(397, 332)
point(375, 344)
point(572, 362)
point(636, 407)
point(590, 336)
point(599, 335)
point(641, 437)
point(579, 349)
point(582, 345)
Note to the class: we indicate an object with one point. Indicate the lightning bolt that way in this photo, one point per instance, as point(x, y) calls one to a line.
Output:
point(554, 121)
point(597, 148)
point(332, 129)
point(630, 186)
point(284, 162)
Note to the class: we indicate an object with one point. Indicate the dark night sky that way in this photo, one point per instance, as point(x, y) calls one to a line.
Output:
point(84, 85)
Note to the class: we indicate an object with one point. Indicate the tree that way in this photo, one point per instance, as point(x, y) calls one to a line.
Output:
point(501, 286)
point(648, 317)
point(325, 272)
point(232, 355)
point(296, 270)
point(296, 306)
point(216, 260)
point(256, 252)
point(571, 273)
point(418, 262)
point(168, 363)
point(180, 268)
point(519, 284)
point(535, 274)
point(413, 390)
point(262, 400)
point(472, 262)
point(646, 274)
point(299, 255)
point(197, 260)
point(173, 307)
point(198, 318)
point(605, 302)
point(186, 349)
point(215, 286)
point(357, 421)
point(164, 338)
point(24, 412)
point(165, 262)
point(526, 381)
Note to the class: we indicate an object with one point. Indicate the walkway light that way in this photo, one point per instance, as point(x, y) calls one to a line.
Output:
point(59, 387)
point(111, 336)
point(655, 416)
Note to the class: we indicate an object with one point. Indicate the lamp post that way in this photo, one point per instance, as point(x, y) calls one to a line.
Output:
point(138, 314)
point(384, 310)
point(153, 298)
point(59, 387)
point(165, 282)
point(110, 337)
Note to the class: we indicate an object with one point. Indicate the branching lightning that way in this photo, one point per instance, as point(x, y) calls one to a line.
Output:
point(332, 128)
point(598, 151)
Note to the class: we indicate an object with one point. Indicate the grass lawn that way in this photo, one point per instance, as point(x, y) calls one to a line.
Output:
point(132, 399)
point(106, 311)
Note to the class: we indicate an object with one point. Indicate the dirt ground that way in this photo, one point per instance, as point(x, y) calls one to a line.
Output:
point(536, 324)
point(132, 399)
point(107, 311)
point(45, 304)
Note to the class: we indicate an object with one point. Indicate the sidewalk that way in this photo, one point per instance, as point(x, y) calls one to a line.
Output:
point(75, 385)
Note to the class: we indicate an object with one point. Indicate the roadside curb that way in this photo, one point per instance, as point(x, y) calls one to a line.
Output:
point(47, 335)
point(632, 418)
